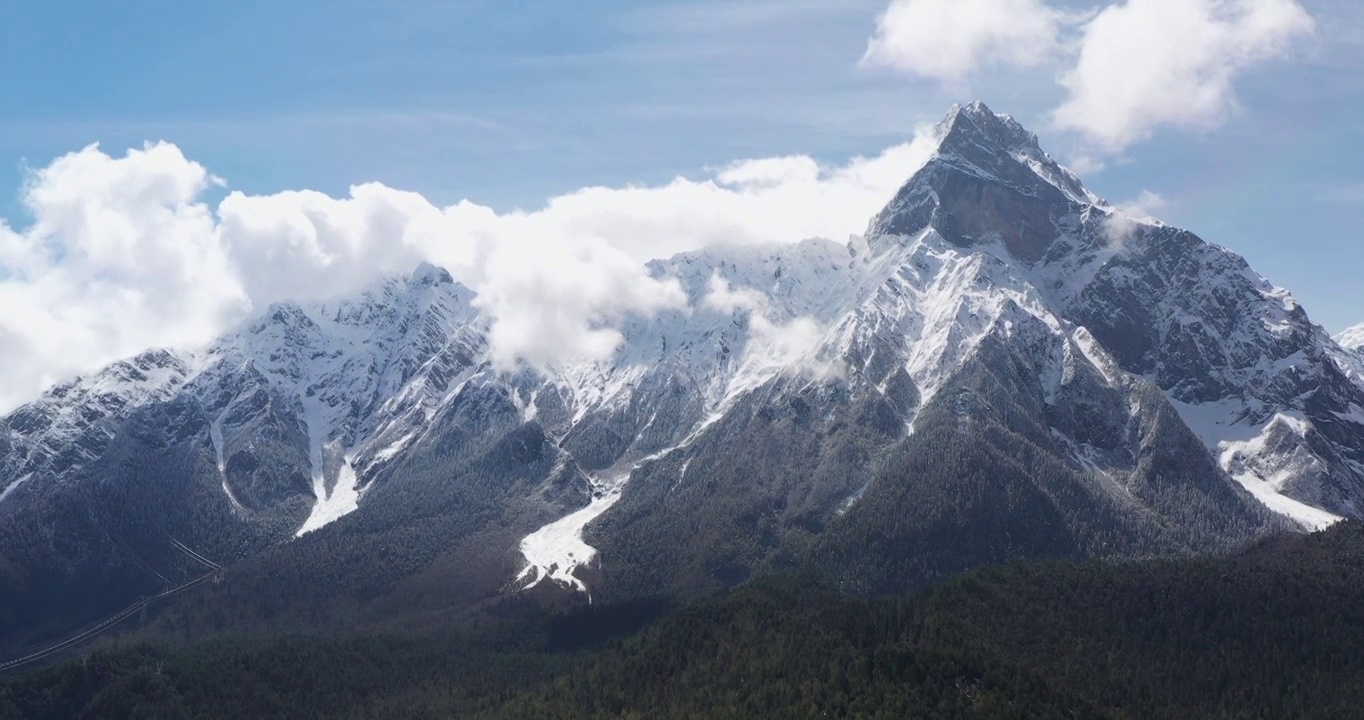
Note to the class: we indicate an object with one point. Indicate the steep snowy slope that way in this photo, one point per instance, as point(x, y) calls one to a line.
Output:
point(274, 431)
point(359, 377)
point(1351, 355)
point(72, 424)
point(1239, 358)
point(332, 383)
point(1352, 339)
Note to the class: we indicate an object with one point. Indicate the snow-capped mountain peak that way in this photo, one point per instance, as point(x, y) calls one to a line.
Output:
point(992, 144)
point(355, 370)
point(988, 180)
point(1232, 351)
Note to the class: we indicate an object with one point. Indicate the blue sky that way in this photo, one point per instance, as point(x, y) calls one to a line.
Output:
point(453, 99)
point(510, 104)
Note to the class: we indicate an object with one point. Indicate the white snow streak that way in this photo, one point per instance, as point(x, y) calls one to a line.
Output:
point(1309, 517)
point(557, 550)
point(215, 434)
point(343, 499)
point(391, 451)
point(14, 486)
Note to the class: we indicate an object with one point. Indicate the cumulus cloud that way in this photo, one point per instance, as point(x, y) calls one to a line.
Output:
point(1352, 338)
point(1145, 64)
point(557, 301)
point(122, 254)
point(126, 253)
point(948, 40)
point(305, 244)
point(1131, 67)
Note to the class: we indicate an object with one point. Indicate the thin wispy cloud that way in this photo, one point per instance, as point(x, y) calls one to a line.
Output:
point(1128, 215)
point(1346, 195)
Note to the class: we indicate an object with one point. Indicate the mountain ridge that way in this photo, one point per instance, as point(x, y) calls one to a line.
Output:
point(1004, 366)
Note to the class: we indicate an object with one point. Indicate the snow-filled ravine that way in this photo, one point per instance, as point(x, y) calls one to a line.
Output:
point(557, 550)
point(343, 499)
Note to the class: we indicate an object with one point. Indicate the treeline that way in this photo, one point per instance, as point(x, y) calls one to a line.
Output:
point(1273, 632)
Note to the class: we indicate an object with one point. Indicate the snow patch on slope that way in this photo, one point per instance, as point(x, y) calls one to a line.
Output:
point(331, 505)
point(215, 436)
point(1242, 451)
point(391, 451)
point(557, 550)
point(14, 486)
point(336, 499)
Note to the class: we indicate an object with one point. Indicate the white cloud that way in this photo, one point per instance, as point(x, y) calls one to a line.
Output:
point(122, 255)
point(1132, 67)
point(306, 244)
point(1145, 204)
point(720, 296)
point(557, 279)
point(1352, 338)
point(127, 253)
point(948, 40)
point(1145, 64)
point(553, 301)
point(1085, 164)
point(792, 347)
point(1127, 216)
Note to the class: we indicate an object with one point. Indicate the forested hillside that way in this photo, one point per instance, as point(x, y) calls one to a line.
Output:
point(1273, 632)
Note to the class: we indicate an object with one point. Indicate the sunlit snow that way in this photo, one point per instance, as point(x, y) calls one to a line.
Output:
point(557, 550)
point(1352, 339)
point(1241, 450)
point(343, 499)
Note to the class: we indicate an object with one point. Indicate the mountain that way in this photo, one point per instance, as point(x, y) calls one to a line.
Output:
point(1003, 366)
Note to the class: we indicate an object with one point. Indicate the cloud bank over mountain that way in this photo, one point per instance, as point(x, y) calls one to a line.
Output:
point(129, 252)
point(124, 252)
